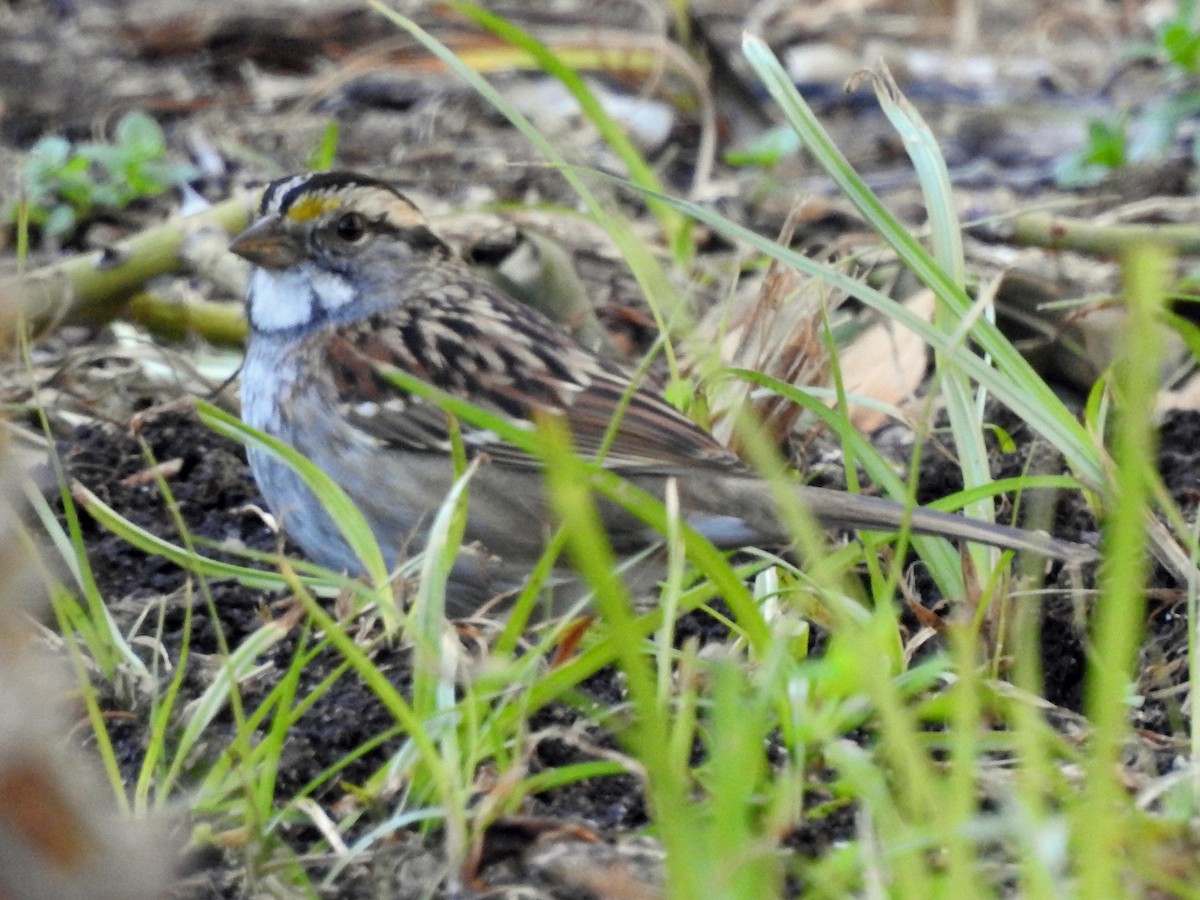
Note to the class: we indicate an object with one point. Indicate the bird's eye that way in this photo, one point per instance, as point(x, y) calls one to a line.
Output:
point(351, 228)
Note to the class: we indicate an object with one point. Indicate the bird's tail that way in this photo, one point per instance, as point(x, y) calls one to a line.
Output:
point(838, 509)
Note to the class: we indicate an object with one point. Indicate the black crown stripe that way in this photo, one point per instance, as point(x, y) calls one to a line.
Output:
point(281, 194)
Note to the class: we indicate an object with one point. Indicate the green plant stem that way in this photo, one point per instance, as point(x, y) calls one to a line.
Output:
point(93, 288)
point(965, 412)
point(1100, 855)
point(648, 735)
point(673, 224)
point(1038, 229)
point(661, 296)
point(221, 324)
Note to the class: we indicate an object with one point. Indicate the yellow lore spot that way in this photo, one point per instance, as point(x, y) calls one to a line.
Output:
point(308, 208)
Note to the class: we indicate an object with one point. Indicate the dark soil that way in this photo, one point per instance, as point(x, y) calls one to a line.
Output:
point(216, 498)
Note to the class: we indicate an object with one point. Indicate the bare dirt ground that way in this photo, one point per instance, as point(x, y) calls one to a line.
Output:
point(246, 96)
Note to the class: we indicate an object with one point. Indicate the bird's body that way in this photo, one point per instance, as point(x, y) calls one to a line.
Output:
point(351, 283)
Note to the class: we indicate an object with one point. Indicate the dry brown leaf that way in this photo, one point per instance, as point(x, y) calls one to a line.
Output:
point(887, 363)
point(778, 330)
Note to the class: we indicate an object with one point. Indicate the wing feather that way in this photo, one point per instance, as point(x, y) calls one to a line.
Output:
point(495, 354)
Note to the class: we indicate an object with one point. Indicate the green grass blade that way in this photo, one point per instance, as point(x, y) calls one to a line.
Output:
point(1013, 381)
point(1120, 613)
point(660, 295)
point(965, 414)
point(610, 131)
point(345, 515)
point(1010, 379)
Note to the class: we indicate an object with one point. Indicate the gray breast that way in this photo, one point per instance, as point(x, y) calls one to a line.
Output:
point(397, 492)
point(269, 398)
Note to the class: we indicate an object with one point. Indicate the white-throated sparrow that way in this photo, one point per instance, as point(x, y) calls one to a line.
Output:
point(348, 278)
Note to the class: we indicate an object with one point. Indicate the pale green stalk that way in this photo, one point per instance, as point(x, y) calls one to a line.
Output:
point(1101, 828)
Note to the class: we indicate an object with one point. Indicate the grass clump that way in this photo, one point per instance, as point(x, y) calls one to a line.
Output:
point(65, 183)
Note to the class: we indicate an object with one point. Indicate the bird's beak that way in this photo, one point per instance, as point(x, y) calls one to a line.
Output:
point(267, 244)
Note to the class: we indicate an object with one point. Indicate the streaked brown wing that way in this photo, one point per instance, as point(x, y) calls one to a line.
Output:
point(549, 374)
point(653, 436)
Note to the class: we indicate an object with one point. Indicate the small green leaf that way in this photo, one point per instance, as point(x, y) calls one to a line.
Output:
point(65, 182)
point(680, 392)
point(109, 194)
point(1182, 45)
point(59, 220)
point(107, 157)
point(51, 150)
point(1106, 143)
point(139, 134)
point(767, 149)
point(168, 174)
point(1003, 438)
point(1186, 329)
point(1106, 149)
point(325, 152)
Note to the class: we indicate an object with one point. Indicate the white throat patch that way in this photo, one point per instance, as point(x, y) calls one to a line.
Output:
point(284, 300)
